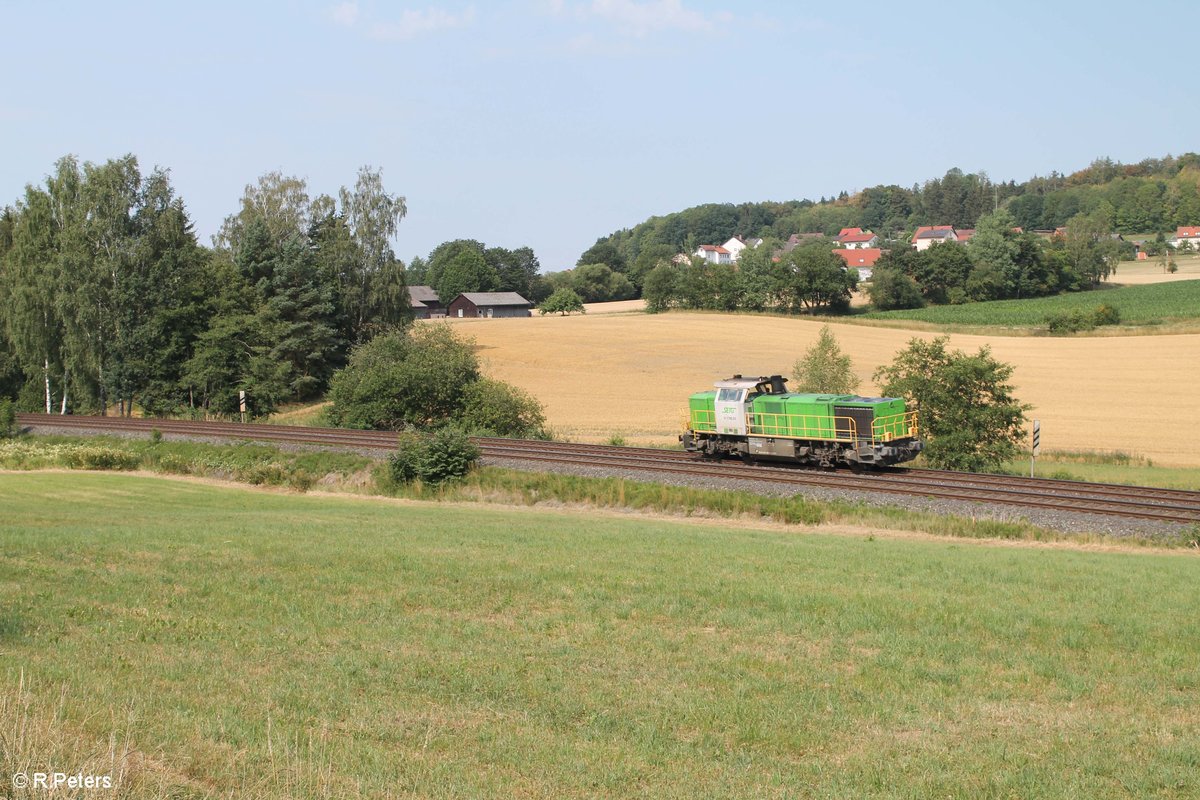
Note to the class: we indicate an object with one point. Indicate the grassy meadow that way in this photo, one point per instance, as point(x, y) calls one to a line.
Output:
point(1150, 304)
point(601, 375)
point(197, 641)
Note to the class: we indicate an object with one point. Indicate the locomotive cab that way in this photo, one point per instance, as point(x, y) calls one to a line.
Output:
point(734, 399)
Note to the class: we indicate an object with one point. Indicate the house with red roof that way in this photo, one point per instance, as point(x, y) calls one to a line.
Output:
point(1186, 235)
point(929, 235)
point(861, 259)
point(856, 238)
point(714, 254)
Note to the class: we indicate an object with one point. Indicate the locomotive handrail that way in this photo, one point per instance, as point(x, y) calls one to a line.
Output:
point(815, 426)
point(824, 427)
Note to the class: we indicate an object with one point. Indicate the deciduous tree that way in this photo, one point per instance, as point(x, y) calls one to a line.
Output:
point(824, 368)
point(967, 412)
point(562, 302)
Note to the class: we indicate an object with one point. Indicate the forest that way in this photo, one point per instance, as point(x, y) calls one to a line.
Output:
point(108, 300)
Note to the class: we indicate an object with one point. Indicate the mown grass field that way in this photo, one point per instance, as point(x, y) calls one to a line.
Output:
point(631, 375)
point(1152, 304)
point(198, 641)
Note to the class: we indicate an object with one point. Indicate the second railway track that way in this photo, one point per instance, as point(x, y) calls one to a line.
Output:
point(1162, 505)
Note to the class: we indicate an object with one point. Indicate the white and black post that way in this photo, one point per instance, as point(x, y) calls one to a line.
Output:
point(1037, 443)
point(242, 402)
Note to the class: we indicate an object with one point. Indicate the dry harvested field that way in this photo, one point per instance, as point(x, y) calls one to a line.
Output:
point(601, 375)
point(1132, 273)
point(616, 307)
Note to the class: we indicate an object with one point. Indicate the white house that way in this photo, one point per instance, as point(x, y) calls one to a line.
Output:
point(1186, 235)
point(928, 235)
point(737, 244)
point(714, 254)
point(856, 239)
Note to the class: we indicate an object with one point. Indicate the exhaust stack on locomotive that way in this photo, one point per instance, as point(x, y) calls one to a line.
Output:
point(757, 418)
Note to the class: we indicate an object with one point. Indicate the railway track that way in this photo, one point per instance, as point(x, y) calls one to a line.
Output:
point(1162, 505)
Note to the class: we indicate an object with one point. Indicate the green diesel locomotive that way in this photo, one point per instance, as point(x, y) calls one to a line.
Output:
point(757, 418)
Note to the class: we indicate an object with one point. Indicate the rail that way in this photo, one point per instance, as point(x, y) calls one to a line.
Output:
point(1138, 502)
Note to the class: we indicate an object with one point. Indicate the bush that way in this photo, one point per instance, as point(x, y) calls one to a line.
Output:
point(501, 409)
point(1070, 322)
point(408, 378)
point(100, 458)
point(1106, 315)
point(8, 418)
point(891, 289)
point(1079, 320)
point(446, 455)
point(563, 302)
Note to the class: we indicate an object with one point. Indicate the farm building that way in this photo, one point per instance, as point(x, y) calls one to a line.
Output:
point(425, 303)
point(490, 304)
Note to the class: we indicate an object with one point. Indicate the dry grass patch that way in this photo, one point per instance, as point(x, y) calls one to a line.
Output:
point(605, 374)
point(1132, 273)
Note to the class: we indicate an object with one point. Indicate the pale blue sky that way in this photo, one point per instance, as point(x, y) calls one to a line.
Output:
point(549, 124)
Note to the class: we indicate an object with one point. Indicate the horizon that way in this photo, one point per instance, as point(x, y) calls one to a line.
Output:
point(553, 124)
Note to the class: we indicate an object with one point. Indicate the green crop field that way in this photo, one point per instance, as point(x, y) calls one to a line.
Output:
point(202, 641)
point(1139, 305)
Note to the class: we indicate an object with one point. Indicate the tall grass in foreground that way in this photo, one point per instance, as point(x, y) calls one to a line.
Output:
point(215, 642)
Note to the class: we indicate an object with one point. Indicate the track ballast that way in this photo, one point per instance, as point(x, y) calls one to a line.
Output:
point(1136, 502)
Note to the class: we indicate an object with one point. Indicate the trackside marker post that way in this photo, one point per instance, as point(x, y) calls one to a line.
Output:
point(1037, 443)
point(242, 401)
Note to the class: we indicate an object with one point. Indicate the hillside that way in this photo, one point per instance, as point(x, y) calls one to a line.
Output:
point(1153, 195)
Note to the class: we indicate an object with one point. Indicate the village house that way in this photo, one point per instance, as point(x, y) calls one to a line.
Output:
point(1186, 235)
point(714, 254)
point(928, 235)
point(861, 259)
point(856, 239)
point(737, 244)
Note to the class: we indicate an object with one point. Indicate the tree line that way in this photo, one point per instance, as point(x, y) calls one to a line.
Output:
point(467, 265)
point(810, 278)
point(108, 300)
point(999, 262)
point(1152, 196)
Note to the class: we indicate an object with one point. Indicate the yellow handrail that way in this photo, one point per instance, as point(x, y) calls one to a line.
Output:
point(815, 426)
